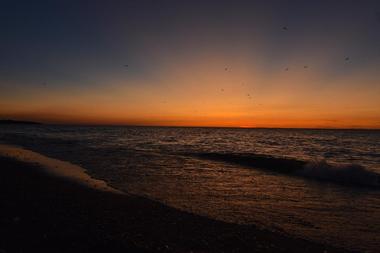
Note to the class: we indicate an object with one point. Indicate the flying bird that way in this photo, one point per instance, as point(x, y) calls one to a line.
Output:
point(284, 28)
point(347, 59)
point(126, 65)
point(221, 90)
point(225, 69)
point(305, 67)
point(287, 69)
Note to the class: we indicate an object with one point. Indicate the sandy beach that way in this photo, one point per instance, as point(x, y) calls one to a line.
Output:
point(45, 212)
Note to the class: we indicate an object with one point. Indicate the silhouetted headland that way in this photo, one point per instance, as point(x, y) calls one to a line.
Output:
point(19, 122)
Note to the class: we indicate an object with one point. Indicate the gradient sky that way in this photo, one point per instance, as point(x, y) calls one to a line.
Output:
point(63, 62)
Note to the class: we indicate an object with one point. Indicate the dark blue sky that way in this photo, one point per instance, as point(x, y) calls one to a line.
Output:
point(52, 39)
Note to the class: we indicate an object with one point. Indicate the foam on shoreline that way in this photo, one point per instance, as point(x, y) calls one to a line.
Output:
point(57, 167)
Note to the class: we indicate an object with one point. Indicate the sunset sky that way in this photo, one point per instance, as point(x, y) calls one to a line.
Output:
point(192, 63)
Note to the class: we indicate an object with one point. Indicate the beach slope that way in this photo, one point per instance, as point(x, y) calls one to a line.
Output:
point(41, 212)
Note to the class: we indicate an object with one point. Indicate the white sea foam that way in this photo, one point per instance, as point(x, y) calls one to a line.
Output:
point(56, 167)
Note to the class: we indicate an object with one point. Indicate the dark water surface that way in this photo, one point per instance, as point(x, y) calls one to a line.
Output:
point(274, 178)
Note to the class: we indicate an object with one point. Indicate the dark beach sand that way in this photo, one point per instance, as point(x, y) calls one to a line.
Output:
point(44, 213)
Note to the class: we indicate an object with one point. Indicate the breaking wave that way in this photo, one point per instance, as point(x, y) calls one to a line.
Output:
point(349, 174)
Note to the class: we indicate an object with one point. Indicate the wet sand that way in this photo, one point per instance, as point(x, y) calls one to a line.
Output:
point(43, 212)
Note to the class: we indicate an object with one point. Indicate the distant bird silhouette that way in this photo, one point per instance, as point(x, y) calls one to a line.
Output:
point(225, 69)
point(284, 28)
point(286, 69)
point(221, 90)
point(126, 65)
point(305, 67)
point(347, 58)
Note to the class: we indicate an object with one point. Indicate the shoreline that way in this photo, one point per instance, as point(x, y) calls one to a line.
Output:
point(44, 212)
point(56, 167)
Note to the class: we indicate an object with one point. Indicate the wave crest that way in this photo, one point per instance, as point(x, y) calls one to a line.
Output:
point(349, 174)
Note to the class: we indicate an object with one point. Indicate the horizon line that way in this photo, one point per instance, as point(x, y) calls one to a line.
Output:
point(194, 126)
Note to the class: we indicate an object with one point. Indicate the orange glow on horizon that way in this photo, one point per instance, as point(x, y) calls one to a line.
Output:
point(200, 92)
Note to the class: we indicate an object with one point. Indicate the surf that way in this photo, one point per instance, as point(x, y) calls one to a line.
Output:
point(321, 170)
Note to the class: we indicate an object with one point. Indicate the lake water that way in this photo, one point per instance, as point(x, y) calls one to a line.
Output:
point(321, 185)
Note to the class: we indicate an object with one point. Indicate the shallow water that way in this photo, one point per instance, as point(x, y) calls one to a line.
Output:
point(165, 164)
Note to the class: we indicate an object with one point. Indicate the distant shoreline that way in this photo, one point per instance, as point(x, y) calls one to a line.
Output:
point(18, 122)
